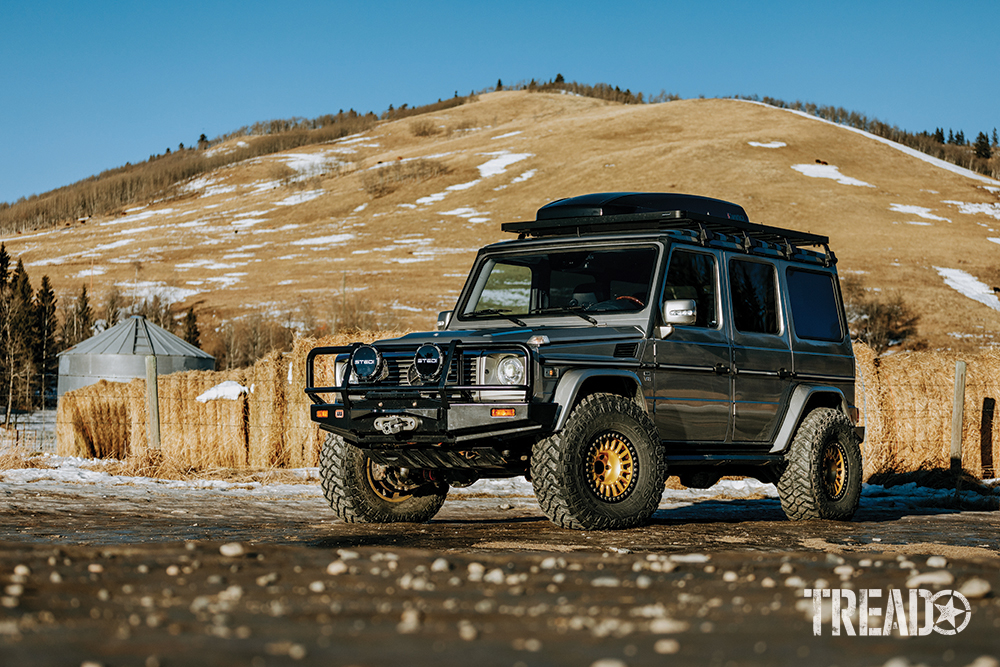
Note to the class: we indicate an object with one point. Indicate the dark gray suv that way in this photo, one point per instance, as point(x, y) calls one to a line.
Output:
point(622, 338)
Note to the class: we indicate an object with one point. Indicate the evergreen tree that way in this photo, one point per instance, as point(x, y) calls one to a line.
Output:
point(79, 321)
point(499, 85)
point(45, 350)
point(982, 146)
point(939, 135)
point(18, 319)
point(191, 333)
point(560, 79)
point(960, 138)
point(951, 137)
point(995, 138)
point(4, 264)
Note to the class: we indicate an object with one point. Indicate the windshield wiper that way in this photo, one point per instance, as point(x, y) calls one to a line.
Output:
point(501, 313)
point(575, 310)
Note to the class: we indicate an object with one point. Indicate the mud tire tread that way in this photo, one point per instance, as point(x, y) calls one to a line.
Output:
point(800, 485)
point(342, 471)
point(556, 467)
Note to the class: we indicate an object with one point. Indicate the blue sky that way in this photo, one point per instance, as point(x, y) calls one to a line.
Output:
point(89, 86)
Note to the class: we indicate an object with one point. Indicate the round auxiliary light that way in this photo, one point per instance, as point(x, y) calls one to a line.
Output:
point(366, 362)
point(510, 370)
point(428, 362)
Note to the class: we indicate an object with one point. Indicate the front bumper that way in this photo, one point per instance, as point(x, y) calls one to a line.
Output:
point(450, 410)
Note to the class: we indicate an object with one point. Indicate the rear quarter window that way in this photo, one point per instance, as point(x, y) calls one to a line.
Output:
point(815, 310)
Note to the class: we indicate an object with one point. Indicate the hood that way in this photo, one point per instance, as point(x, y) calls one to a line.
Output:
point(557, 335)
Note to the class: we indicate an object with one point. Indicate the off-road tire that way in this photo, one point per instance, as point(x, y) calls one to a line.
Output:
point(344, 476)
point(563, 467)
point(822, 476)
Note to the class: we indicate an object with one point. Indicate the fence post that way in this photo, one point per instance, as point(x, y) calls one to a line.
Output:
point(957, 414)
point(153, 402)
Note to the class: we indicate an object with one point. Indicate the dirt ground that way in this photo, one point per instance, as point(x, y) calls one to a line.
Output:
point(92, 576)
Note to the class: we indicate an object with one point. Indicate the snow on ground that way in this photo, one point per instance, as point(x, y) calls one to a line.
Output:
point(70, 471)
point(918, 211)
point(892, 144)
point(146, 289)
point(969, 286)
point(495, 166)
point(992, 210)
point(323, 242)
point(770, 144)
point(299, 198)
point(828, 171)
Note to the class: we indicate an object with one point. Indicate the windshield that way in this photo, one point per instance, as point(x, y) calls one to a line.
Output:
point(596, 280)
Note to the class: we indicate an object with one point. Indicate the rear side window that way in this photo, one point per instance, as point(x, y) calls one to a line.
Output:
point(755, 299)
point(813, 300)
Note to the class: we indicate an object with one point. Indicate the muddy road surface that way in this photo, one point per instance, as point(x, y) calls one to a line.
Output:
point(97, 574)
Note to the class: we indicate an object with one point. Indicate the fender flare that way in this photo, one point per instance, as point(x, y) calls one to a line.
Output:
point(797, 404)
point(569, 388)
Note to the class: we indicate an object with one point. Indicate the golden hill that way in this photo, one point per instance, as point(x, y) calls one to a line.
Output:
point(282, 234)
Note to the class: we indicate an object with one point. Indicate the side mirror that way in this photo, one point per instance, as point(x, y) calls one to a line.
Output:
point(679, 311)
point(444, 319)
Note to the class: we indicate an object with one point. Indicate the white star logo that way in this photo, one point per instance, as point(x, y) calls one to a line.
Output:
point(948, 613)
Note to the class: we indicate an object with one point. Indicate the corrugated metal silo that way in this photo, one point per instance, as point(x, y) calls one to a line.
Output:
point(119, 355)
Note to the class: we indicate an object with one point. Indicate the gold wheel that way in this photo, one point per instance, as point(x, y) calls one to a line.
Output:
point(611, 470)
point(379, 478)
point(834, 471)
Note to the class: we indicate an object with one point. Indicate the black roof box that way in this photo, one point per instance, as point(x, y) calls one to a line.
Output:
point(627, 203)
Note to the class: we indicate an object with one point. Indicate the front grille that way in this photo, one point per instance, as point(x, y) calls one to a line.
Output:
point(401, 371)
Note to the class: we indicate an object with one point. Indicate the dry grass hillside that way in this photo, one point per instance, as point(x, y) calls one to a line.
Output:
point(396, 214)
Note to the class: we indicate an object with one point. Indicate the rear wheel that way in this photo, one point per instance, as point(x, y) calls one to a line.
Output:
point(362, 491)
point(603, 470)
point(822, 477)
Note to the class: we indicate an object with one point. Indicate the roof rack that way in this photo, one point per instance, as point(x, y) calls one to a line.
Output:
point(605, 213)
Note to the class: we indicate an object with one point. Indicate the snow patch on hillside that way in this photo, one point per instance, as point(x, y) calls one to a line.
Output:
point(495, 166)
point(324, 241)
point(967, 285)
point(918, 211)
point(828, 171)
point(769, 144)
point(992, 210)
point(147, 289)
point(299, 198)
point(961, 171)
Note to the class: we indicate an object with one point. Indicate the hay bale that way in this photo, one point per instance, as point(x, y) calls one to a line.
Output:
point(918, 390)
point(193, 434)
point(877, 450)
point(303, 438)
point(919, 387)
point(267, 405)
point(93, 421)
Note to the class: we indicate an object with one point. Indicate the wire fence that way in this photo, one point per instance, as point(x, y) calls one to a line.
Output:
point(906, 403)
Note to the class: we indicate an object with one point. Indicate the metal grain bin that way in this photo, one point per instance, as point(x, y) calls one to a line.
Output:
point(119, 355)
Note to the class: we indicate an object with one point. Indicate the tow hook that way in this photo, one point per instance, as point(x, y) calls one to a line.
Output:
point(396, 424)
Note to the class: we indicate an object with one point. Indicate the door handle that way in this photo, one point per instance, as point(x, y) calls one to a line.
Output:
point(784, 373)
point(722, 369)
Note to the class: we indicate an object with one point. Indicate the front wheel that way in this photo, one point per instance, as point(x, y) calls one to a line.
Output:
point(362, 491)
point(822, 475)
point(603, 470)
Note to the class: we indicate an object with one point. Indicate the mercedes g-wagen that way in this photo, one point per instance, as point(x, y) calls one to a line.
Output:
point(621, 338)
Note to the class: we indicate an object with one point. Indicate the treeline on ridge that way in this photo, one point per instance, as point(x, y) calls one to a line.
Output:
point(114, 189)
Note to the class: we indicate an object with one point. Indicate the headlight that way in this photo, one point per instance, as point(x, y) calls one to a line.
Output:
point(510, 370)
